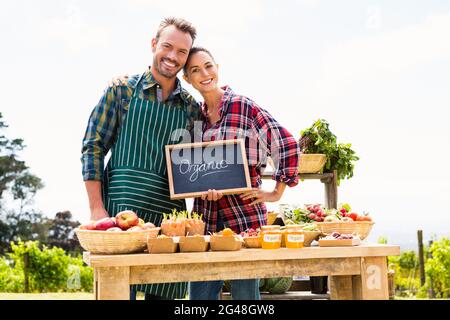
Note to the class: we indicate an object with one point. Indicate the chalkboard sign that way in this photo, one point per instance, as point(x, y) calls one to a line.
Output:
point(193, 168)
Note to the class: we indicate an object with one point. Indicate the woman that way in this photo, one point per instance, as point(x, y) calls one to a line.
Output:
point(226, 115)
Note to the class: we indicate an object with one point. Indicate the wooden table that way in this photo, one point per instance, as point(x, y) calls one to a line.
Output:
point(358, 272)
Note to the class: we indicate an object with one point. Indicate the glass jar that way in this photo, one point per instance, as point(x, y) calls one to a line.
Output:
point(294, 236)
point(270, 237)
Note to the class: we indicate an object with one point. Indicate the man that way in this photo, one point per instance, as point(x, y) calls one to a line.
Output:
point(135, 120)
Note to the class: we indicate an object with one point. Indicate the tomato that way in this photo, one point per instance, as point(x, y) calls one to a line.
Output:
point(353, 215)
point(364, 218)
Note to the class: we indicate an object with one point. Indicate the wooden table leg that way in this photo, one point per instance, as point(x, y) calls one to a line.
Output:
point(372, 284)
point(95, 284)
point(341, 288)
point(113, 283)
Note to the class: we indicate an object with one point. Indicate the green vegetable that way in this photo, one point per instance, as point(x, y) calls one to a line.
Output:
point(309, 227)
point(347, 207)
point(277, 285)
point(340, 157)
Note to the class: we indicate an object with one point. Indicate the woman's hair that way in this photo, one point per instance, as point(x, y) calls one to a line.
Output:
point(193, 51)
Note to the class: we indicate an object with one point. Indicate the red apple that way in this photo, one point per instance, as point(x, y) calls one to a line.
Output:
point(127, 219)
point(115, 229)
point(148, 225)
point(135, 228)
point(105, 224)
point(88, 226)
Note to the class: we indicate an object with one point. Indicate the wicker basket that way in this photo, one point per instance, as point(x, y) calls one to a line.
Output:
point(310, 236)
point(311, 163)
point(359, 227)
point(105, 242)
point(252, 242)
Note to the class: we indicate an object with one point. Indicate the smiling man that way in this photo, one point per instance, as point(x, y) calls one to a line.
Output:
point(135, 120)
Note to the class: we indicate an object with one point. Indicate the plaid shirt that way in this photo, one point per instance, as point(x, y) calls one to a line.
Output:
point(108, 115)
point(240, 117)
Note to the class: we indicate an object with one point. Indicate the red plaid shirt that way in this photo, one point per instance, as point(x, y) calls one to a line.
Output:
point(242, 118)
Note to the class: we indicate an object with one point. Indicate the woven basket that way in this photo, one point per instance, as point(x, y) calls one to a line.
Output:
point(252, 242)
point(106, 242)
point(311, 163)
point(359, 227)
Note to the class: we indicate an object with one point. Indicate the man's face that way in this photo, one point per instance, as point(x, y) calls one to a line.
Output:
point(170, 52)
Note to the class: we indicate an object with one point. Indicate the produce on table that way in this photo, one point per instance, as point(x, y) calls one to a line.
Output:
point(135, 228)
point(148, 225)
point(114, 229)
point(174, 224)
point(276, 285)
point(88, 226)
point(316, 213)
point(127, 219)
point(319, 139)
point(252, 238)
point(194, 224)
point(250, 233)
point(339, 236)
point(104, 224)
point(227, 232)
point(123, 221)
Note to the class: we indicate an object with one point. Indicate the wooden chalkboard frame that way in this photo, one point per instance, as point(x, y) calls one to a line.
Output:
point(169, 149)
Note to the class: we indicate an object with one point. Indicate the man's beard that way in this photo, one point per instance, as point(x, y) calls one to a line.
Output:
point(164, 73)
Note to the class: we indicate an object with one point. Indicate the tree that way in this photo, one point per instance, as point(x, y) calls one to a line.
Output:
point(61, 232)
point(28, 225)
point(17, 182)
point(14, 174)
point(438, 267)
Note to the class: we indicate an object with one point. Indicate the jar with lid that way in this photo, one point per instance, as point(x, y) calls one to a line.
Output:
point(294, 236)
point(270, 237)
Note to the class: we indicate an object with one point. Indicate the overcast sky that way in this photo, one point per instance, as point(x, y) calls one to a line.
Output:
point(378, 71)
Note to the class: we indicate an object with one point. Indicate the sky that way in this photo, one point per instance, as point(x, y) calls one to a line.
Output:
point(377, 71)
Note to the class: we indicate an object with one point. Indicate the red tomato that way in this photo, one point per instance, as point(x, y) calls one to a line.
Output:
point(364, 218)
point(353, 215)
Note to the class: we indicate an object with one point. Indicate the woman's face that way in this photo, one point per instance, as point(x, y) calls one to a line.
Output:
point(202, 72)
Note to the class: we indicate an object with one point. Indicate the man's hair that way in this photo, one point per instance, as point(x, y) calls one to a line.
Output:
point(193, 51)
point(180, 24)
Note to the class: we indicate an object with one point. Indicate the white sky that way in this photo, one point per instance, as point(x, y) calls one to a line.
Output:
point(378, 71)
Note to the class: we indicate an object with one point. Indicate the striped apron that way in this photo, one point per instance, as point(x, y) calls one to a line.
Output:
point(136, 174)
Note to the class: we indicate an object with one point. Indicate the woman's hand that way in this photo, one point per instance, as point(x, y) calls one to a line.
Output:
point(260, 196)
point(212, 195)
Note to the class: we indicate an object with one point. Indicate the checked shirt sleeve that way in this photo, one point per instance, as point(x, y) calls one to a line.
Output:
point(100, 134)
point(279, 144)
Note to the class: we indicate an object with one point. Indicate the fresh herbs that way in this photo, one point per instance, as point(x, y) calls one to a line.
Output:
point(181, 215)
point(340, 157)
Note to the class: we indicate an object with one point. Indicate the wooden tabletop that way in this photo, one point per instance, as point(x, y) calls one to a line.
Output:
point(143, 259)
